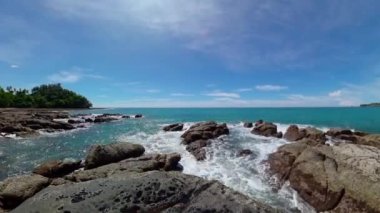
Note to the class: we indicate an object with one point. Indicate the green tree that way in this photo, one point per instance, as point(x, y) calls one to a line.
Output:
point(44, 96)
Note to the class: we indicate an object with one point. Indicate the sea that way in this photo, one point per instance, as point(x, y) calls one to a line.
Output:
point(244, 174)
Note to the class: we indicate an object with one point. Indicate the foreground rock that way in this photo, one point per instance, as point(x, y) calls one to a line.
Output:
point(14, 191)
point(149, 183)
point(173, 128)
point(197, 137)
point(99, 155)
point(164, 162)
point(343, 178)
point(354, 137)
point(142, 192)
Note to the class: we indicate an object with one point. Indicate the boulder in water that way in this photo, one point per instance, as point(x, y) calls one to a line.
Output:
point(248, 124)
point(99, 155)
point(173, 127)
point(265, 129)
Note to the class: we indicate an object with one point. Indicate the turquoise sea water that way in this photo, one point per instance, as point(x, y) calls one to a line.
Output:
point(247, 175)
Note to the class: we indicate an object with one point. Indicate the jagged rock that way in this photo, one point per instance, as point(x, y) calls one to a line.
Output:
point(57, 168)
point(196, 148)
point(173, 127)
point(99, 155)
point(279, 135)
point(331, 178)
point(205, 131)
point(15, 190)
point(248, 124)
point(265, 129)
point(104, 118)
point(166, 162)
point(138, 116)
point(46, 124)
point(338, 131)
point(143, 192)
point(293, 133)
point(314, 134)
point(197, 136)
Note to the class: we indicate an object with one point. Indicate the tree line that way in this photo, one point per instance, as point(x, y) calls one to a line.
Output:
point(44, 96)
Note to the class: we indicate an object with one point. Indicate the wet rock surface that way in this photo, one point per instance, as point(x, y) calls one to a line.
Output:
point(149, 183)
point(28, 122)
point(199, 135)
point(173, 127)
point(154, 191)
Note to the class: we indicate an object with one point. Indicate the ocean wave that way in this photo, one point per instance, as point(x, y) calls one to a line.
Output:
point(244, 174)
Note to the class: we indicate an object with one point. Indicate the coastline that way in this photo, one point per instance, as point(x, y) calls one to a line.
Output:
point(303, 141)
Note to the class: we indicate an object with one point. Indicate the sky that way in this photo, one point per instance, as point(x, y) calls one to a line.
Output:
point(196, 53)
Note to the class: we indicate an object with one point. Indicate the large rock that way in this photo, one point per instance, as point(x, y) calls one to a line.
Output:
point(57, 168)
point(99, 155)
point(205, 131)
point(265, 129)
point(143, 192)
point(165, 162)
point(293, 133)
point(197, 136)
point(15, 190)
point(343, 178)
point(173, 127)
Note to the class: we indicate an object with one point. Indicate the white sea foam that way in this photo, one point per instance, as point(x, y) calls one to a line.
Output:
point(244, 174)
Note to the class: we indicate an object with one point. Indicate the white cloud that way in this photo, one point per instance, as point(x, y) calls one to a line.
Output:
point(223, 94)
point(244, 90)
point(269, 87)
point(14, 66)
point(65, 77)
point(336, 93)
point(73, 75)
point(153, 91)
point(133, 83)
point(224, 29)
point(181, 95)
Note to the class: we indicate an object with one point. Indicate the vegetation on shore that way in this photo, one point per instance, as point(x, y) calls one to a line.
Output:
point(44, 96)
point(371, 105)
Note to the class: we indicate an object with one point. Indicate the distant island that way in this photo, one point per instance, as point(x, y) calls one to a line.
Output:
point(44, 96)
point(370, 105)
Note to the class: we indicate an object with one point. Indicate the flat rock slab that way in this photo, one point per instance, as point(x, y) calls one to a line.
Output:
point(142, 192)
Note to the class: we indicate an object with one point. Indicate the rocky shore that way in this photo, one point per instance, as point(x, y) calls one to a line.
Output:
point(119, 177)
point(29, 122)
point(334, 171)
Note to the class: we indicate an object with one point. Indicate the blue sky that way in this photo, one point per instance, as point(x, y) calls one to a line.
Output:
point(196, 53)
